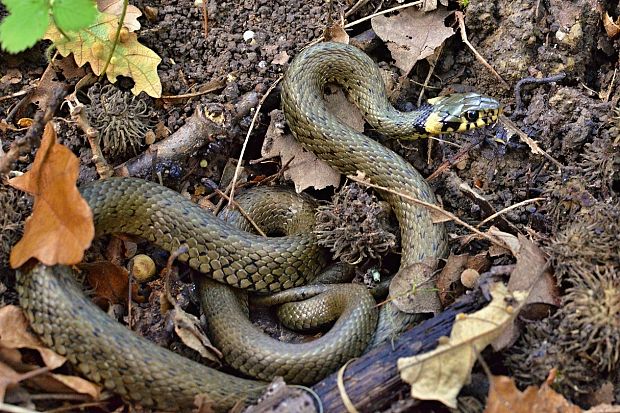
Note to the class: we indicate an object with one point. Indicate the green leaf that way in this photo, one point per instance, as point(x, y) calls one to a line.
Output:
point(25, 25)
point(73, 15)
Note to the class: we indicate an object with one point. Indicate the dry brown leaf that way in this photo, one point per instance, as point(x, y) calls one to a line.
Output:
point(115, 7)
point(14, 334)
point(281, 58)
point(8, 379)
point(504, 397)
point(304, 168)
point(110, 282)
point(47, 83)
point(203, 404)
point(611, 27)
point(413, 288)
point(12, 76)
point(188, 328)
point(440, 374)
point(61, 225)
point(79, 385)
point(344, 110)
point(450, 273)
point(412, 35)
point(336, 33)
point(604, 408)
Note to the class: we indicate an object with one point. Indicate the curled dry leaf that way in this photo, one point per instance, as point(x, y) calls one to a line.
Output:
point(187, 327)
point(14, 334)
point(440, 374)
point(611, 27)
point(505, 397)
point(61, 225)
point(412, 35)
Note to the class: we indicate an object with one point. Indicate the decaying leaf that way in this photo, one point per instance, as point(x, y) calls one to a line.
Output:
point(412, 35)
point(76, 384)
point(110, 282)
point(611, 27)
point(187, 327)
point(203, 404)
point(115, 7)
point(93, 45)
point(8, 379)
point(61, 225)
point(440, 374)
point(505, 397)
point(531, 275)
point(413, 289)
point(14, 334)
point(304, 168)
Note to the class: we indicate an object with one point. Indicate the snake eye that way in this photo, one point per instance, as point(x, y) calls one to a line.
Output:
point(471, 115)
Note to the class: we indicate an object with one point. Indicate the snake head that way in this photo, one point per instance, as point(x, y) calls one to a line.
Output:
point(460, 112)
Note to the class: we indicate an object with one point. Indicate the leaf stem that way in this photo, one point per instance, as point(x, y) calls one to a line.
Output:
point(117, 35)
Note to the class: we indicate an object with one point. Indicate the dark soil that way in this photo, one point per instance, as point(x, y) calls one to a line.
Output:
point(574, 120)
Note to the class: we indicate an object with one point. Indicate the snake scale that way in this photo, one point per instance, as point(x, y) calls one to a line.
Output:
point(108, 353)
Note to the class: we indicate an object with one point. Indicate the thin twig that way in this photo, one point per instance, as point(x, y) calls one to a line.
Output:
point(510, 208)
point(433, 207)
point(10, 408)
point(534, 148)
point(247, 137)
point(461, 20)
point(32, 138)
point(402, 6)
point(238, 207)
point(17, 94)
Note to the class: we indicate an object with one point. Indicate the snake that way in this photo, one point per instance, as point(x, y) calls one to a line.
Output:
point(108, 353)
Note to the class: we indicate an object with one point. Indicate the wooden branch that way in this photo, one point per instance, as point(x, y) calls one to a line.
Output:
point(373, 382)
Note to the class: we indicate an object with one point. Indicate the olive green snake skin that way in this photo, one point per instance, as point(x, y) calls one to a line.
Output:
point(108, 353)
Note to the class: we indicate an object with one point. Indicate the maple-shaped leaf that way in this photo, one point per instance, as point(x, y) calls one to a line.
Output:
point(61, 225)
point(94, 44)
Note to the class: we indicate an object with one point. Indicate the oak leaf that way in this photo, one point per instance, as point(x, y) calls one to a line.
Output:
point(505, 397)
point(94, 44)
point(61, 225)
point(440, 374)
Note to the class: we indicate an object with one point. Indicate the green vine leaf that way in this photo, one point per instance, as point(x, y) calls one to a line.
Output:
point(94, 44)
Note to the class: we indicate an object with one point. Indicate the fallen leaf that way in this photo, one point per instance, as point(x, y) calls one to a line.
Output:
point(281, 58)
point(336, 33)
point(604, 408)
point(115, 7)
point(61, 225)
point(47, 83)
point(440, 374)
point(79, 385)
point(450, 273)
point(412, 35)
point(11, 77)
point(611, 27)
point(188, 328)
point(203, 404)
point(110, 282)
point(529, 275)
point(505, 397)
point(304, 168)
point(14, 334)
point(93, 45)
point(338, 104)
point(8, 379)
point(413, 288)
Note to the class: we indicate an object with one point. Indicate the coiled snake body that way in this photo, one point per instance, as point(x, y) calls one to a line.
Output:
point(140, 371)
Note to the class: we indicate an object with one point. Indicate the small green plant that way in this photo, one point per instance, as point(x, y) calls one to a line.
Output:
point(28, 20)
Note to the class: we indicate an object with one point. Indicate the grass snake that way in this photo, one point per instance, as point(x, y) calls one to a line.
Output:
point(138, 370)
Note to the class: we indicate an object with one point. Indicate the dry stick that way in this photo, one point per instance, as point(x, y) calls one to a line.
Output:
point(78, 113)
point(247, 138)
point(363, 19)
point(461, 20)
point(434, 207)
point(510, 125)
point(510, 208)
point(17, 94)
point(32, 138)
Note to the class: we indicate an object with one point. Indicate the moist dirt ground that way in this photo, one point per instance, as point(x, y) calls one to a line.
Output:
point(567, 155)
